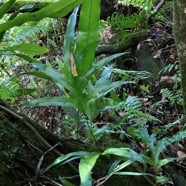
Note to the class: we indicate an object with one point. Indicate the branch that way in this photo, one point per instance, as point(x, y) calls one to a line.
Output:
point(126, 43)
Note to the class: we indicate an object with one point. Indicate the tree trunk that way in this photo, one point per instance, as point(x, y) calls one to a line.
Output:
point(180, 39)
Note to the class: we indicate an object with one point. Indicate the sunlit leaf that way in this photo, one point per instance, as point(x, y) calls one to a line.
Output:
point(124, 152)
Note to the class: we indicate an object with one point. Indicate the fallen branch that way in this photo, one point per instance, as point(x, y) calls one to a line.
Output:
point(126, 43)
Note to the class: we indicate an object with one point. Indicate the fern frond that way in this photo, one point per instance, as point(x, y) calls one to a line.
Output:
point(133, 102)
point(172, 96)
point(133, 108)
point(133, 21)
point(29, 32)
point(169, 68)
point(122, 22)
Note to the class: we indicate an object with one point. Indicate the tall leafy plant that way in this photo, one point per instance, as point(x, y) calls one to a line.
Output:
point(78, 66)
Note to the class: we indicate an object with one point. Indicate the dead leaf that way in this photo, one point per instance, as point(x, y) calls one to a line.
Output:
point(73, 65)
point(181, 154)
point(169, 79)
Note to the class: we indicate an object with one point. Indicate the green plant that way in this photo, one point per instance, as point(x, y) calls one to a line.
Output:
point(78, 67)
point(135, 20)
point(173, 93)
point(88, 160)
point(126, 157)
point(174, 97)
point(121, 22)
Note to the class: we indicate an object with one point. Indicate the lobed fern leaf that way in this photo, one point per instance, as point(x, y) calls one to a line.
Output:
point(122, 22)
point(174, 98)
point(135, 20)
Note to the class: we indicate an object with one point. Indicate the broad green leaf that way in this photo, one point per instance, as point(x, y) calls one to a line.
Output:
point(60, 79)
point(6, 7)
point(160, 146)
point(104, 79)
point(92, 109)
point(99, 92)
point(61, 159)
point(69, 39)
point(67, 8)
point(160, 179)
point(28, 49)
point(179, 136)
point(124, 152)
point(81, 82)
point(88, 34)
point(55, 101)
point(148, 160)
point(58, 9)
point(85, 167)
point(99, 65)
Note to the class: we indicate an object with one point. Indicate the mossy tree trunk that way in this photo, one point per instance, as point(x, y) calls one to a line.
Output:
point(180, 39)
